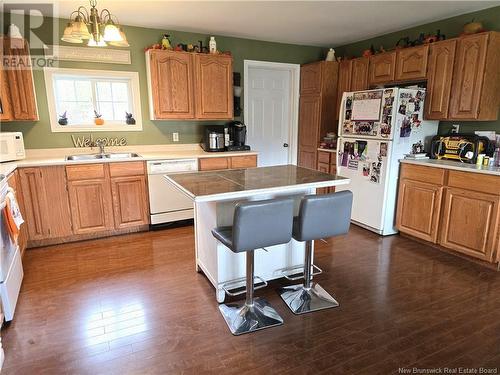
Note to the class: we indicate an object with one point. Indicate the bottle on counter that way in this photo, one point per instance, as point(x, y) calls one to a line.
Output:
point(496, 157)
point(212, 45)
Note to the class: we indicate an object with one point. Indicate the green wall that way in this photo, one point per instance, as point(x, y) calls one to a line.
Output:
point(38, 135)
point(451, 27)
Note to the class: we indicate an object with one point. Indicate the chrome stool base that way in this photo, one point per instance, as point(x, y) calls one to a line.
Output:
point(302, 300)
point(248, 318)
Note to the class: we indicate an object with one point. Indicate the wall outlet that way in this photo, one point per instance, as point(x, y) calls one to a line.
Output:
point(175, 137)
point(455, 128)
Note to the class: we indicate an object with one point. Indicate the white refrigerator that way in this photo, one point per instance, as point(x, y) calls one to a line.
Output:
point(376, 129)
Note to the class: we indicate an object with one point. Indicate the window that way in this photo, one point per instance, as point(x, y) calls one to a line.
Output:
point(93, 100)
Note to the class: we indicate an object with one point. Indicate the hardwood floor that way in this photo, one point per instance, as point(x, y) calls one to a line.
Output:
point(134, 305)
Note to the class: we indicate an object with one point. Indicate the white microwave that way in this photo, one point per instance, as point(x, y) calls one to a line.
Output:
point(11, 146)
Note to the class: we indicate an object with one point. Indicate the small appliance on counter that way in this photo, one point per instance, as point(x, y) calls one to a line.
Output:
point(11, 146)
point(236, 135)
point(213, 138)
point(460, 147)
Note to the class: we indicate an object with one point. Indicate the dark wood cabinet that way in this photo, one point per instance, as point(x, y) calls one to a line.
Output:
point(171, 83)
point(344, 83)
point(475, 93)
point(359, 74)
point(382, 68)
point(18, 99)
point(411, 63)
point(439, 77)
point(316, 108)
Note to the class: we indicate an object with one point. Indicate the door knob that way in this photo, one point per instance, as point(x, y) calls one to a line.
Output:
point(285, 144)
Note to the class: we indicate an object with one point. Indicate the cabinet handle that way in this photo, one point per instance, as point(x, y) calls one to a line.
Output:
point(285, 144)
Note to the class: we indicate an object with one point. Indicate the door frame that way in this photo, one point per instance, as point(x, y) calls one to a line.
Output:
point(294, 70)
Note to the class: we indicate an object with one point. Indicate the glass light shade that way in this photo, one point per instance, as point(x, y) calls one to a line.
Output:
point(68, 35)
point(80, 30)
point(93, 43)
point(123, 42)
point(112, 33)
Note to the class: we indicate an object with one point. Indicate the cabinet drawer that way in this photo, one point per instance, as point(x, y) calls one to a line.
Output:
point(425, 174)
point(131, 168)
point(474, 181)
point(210, 164)
point(324, 167)
point(323, 157)
point(248, 161)
point(84, 171)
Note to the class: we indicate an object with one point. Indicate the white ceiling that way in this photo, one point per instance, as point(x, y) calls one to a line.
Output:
point(320, 23)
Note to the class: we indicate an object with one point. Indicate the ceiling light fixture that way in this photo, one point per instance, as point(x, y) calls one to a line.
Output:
point(103, 29)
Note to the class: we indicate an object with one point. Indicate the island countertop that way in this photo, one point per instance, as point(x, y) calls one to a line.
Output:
point(239, 183)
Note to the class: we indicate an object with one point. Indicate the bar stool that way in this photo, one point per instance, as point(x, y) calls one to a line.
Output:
point(256, 225)
point(320, 216)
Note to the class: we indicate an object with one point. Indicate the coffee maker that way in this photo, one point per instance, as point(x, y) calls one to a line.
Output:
point(235, 136)
point(213, 138)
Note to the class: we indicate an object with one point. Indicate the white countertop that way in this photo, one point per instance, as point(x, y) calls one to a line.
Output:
point(454, 165)
point(56, 156)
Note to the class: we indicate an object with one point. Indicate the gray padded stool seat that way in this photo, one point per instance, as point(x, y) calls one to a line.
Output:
point(256, 224)
point(320, 216)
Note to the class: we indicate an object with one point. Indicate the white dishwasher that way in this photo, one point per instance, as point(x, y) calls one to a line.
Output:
point(166, 202)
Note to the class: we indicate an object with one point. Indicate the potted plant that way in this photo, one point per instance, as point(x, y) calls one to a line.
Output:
point(98, 118)
point(63, 119)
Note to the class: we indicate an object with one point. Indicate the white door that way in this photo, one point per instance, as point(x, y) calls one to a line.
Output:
point(269, 113)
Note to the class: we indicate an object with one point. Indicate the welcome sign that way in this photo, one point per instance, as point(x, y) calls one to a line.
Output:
point(89, 141)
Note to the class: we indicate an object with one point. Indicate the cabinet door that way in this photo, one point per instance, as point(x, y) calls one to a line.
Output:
point(91, 206)
point(470, 60)
point(310, 79)
point(470, 222)
point(439, 75)
point(5, 106)
point(130, 201)
point(214, 86)
point(382, 68)
point(171, 80)
point(309, 122)
point(211, 164)
point(344, 84)
point(20, 81)
point(418, 209)
point(411, 63)
point(34, 202)
point(14, 183)
point(248, 161)
point(359, 75)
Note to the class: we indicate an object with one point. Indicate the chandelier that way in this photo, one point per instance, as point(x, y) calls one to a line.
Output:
point(103, 29)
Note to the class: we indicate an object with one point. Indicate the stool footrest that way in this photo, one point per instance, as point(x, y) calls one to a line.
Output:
point(237, 287)
point(297, 272)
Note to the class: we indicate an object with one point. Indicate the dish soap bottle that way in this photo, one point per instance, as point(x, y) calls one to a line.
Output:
point(212, 45)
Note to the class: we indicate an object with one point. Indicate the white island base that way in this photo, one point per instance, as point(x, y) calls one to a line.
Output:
point(221, 265)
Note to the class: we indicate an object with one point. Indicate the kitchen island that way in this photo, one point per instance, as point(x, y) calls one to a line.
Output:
point(215, 195)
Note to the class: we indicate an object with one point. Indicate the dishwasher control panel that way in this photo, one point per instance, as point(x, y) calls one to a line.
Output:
point(172, 166)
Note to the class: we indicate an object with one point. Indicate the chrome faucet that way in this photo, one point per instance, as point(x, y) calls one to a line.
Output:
point(100, 143)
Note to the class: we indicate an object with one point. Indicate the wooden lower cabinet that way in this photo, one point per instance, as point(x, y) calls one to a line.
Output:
point(15, 183)
point(470, 222)
point(91, 208)
point(130, 203)
point(456, 210)
point(227, 162)
point(327, 163)
point(418, 209)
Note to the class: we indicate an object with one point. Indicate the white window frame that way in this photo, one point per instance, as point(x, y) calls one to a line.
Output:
point(104, 74)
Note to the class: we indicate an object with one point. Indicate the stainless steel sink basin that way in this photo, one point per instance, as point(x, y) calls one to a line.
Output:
point(111, 155)
point(85, 157)
point(122, 155)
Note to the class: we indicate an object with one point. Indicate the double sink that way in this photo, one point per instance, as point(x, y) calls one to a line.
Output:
point(111, 155)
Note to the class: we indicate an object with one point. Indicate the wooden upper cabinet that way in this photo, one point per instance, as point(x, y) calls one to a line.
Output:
point(411, 63)
point(471, 222)
point(171, 85)
point(21, 103)
point(310, 78)
point(214, 86)
point(359, 74)
point(130, 201)
point(344, 83)
point(309, 124)
point(475, 93)
point(439, 75)
point(5, 105)
point(382, 68)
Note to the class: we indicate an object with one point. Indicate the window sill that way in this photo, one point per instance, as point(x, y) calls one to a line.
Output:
point(96, 128)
